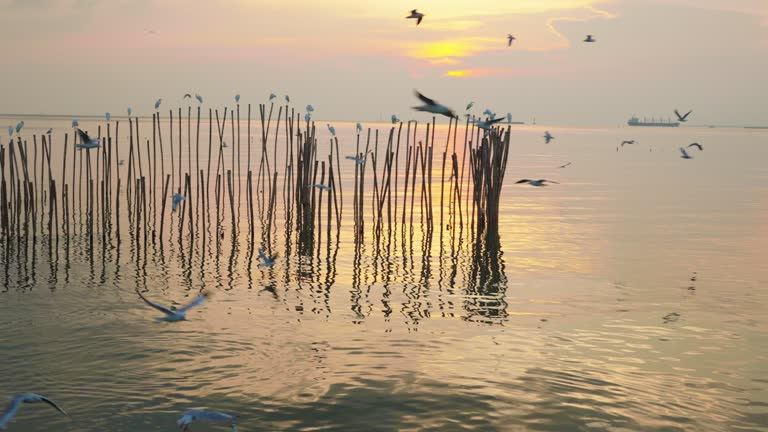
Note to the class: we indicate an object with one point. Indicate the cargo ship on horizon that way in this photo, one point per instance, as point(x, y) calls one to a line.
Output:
point(634, 121)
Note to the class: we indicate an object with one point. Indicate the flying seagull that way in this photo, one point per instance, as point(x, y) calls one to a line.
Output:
point(432, 106)
point(205, 416)
point(415, 14)
point(199, 98)
point(267, 261)
point(358, 160)
point(563, 166)
point(178, 314)
point(510, 39)
point(108, 116)
point(187, 96)
point(322, 187)
point(86, 142)
point(395, 119)
point(488, 124)
point(237, 98)
point(331, 129)
point(272, 96)
point(157, 103)
point(627, 142)
point(537, 183)
point(685, 154)
point(19, 399)
point(310, 108)
point(683, 118)
point(548, 137)
point(19, 126)
point(469, 106)
point(697, 145)
point(589, 39)
point(358, 127)
point(176, 200)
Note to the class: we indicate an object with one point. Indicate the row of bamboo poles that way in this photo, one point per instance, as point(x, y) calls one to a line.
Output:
point(90, 192)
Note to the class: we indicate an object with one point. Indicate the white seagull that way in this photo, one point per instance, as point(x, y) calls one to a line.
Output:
point(548, 137)
point(589, 39)
point(331, 129)
point(75, 123)
point(177, 198)
point(357, 160)
point(540, 182)
point(395, 119)
point(237, 98)
point(433, 107)
point(267, 261)
point(157, 103)
point(19, 126)
point(206, 416)
point(108, 116)
point(510, 39)
point(310, 108)
point(130, 111)
point(509, 117)
point(86, 142)
point(682, 118)
point(178, 314)
point(358, 127)
point(322, 187)
point(487, 124)
point(469, 106)
point(307, 117)
point(272, 96)
point(19, 399)
point(199, 98)
point(415, 14)
point(685, 154)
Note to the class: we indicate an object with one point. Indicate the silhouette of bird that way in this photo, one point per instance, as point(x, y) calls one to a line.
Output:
point(187, 96)
point(537, 183)
point(432, 106)
point(86, 142)
point(683, 118)
point(415, 14)
point(178, 314)
point(685, 154)
point(22, 398)
point(548, 137)
point(121, 162)
point(510, 39)
point(589, 39)
point(176, 200)
point(205, 416)
point(697, 145)
point(563, 166)
point(627, 142)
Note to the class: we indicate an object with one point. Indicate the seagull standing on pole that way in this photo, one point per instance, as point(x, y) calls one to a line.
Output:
point(10, 130)
point(432, 106)
point(331, 129)
point(199, 98)
point(158, 102)
point(108, 116)
point(272, 96)
point(19, 399)
point(237, 98)
point(358, 127)
point(415, 14)
point(129, 111)
point(395, 119)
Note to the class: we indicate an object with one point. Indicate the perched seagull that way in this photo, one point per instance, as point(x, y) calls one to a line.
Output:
point(685, 154)
point(537, 183)
point(509, 117)
point(563, 166)
point(19, 399)
point(510, 39)
point(199, 98)
point(697, 145)
point(19, 126)
point(75, 123)
point(310, 108)
point(272, 96)
point(130, 111)
point(177, 198)
point(358, 127)
point(432, 106)
point(237, 98)
point(469, 106)
point(322, 187)
point(10, 130)
point(683, 118)
point(488, 124)
point(158, 102)
point(627, 142)
point(395, 119)
point(49, 131)
point(121, 163)
point(205, 416)
point(415, 14)
point(108, 116)
point(86, 142)
point(307, 117)
point(331, 129)
point(266, 260)
point(357, 160)
point(287, 98)
point(548, 137)
point(187, 96)
point(589, 39)
point(178, 314)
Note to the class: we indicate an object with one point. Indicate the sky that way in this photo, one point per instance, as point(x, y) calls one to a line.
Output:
point(361, 60)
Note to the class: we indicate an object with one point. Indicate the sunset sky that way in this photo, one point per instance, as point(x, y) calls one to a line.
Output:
point(361, 60)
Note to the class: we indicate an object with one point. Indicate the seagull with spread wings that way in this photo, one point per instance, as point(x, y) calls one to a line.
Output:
point(415, 14)
point(433, 107)
point(178, 314)
point(22, 398)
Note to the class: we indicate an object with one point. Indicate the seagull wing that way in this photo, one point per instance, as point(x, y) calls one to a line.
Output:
point(679, 117)
point(187, 95)
point(522, 181)
point(84, 138)
point(418, 21)
point(685, 153)
point(262, 255)
point(194, 303)
point(687, 114)
point(53, 404)
point(548, 181)
point(424, 99)
point(697, 145)
point(10, 412)
point(162, 309)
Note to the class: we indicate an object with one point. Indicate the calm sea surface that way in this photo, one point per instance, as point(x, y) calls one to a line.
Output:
point(631, 296)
